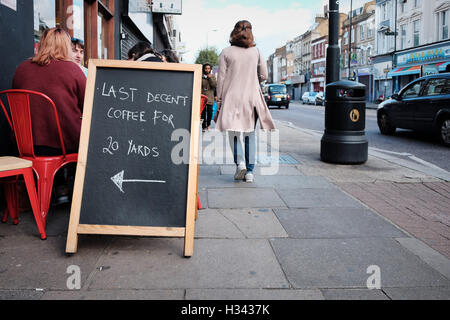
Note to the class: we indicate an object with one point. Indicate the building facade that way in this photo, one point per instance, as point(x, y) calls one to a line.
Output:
point(356, 58)
point(412, 40)
point(422, 41)
point(318, 63)
point(385, 23)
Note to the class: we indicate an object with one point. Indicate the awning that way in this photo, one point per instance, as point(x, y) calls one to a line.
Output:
point(403, 71)
point(442, 65)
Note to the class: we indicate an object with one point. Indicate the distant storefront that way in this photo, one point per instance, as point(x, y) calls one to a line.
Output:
point(382, 80)
point(421, 61)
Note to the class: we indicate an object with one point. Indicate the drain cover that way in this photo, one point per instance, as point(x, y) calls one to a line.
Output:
point(282, 159)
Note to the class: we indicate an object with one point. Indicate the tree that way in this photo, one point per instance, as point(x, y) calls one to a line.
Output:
point(209, 55)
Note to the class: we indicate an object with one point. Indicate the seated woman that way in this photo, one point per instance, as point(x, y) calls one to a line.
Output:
point(53, 73)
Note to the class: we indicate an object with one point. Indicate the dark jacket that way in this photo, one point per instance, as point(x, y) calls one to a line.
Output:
point(150, 57)
point(64, 83)
point(208, 87)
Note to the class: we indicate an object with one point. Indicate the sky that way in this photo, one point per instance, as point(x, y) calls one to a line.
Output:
point(208, 23)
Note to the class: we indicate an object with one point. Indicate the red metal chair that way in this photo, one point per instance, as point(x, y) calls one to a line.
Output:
point(45, 167)
point(11, 167)
point(204, 100)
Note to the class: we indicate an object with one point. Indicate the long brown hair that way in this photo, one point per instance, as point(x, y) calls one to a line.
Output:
point(55, 45)
point(242, 35)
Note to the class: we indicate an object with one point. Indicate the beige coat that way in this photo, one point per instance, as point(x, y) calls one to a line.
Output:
point(239, 91)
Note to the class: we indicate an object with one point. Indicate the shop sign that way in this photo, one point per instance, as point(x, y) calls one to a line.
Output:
point(167, 6)
point(12, 4)
point(139, 6)
point(424, 56)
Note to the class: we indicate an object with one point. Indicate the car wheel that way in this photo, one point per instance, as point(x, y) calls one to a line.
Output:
point(384, 123)
point(444, 131)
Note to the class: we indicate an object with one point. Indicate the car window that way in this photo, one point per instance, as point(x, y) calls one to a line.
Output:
point(412, 91)
point(437, 87)
point(277, 89)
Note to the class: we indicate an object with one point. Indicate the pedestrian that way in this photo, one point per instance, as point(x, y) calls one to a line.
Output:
point(170, 56)
point(143, 51)
point(209, 83)
point(53, 73)
point(78, 54)
point(240, 100)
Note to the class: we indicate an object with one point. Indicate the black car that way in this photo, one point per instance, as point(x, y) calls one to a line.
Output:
point(276, 95)
point(422, 105)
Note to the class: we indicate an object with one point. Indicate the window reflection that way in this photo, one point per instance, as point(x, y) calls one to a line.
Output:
point(44, 17)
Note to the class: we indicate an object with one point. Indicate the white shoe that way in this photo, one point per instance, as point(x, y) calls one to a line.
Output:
point(249, 177)
point(240, 172)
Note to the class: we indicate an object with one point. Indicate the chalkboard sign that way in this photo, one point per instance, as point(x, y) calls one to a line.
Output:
point(137, 166)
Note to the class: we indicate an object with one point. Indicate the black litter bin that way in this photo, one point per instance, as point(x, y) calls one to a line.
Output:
point(344, 140)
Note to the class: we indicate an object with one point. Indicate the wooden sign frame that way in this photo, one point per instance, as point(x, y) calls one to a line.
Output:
point(75, 228)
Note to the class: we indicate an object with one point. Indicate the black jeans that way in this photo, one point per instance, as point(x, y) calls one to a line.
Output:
point(207, 116)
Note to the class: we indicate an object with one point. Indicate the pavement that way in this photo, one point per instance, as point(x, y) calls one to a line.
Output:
point(304, 230)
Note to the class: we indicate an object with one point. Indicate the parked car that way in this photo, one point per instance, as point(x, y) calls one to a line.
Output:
point(276, 95)
point(305, 98)
point(422, 105)
point(320, 99)
point(312, 97)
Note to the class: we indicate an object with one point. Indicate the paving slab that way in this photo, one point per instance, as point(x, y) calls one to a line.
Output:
point(208, 170)
point(253, 294)
point(335, 223)
point(317, 198)
point(353, 294)
point(31, 263)
point(233, 198)
point(114, 295)
point(20, 295)
point(57, 223)
point(212, 224)
point(255, 223)
point(427, 254)
point(343, 263)
point(266, 181)
point(282, 170)
point(157, 263)
point(418, 293)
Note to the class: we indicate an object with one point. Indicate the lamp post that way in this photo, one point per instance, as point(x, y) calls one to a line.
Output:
point(332, 71)
point(350, 40)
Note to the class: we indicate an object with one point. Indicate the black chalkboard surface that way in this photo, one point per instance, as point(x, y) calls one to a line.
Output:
point(140, 121)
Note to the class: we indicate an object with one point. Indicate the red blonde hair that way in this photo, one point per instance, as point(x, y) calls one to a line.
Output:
point(242, 35)
point(55, 45)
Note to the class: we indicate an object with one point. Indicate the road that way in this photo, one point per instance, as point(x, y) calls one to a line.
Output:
point(423, 146)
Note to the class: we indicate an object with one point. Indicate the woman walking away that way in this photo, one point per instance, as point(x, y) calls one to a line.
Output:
point(240, 100)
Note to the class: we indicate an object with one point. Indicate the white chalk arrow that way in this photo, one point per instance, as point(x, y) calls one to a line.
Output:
point(119, 180)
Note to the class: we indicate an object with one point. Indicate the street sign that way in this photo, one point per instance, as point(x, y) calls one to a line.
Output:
point(167, 6)
point(137, 168)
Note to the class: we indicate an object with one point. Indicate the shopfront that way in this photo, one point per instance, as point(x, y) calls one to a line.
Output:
point(365, 77)
point(414, 63)
point(108, 29)
point(90, 21)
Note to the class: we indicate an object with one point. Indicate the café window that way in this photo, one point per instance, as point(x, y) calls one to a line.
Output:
point(44, 17)
point(67, 14)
